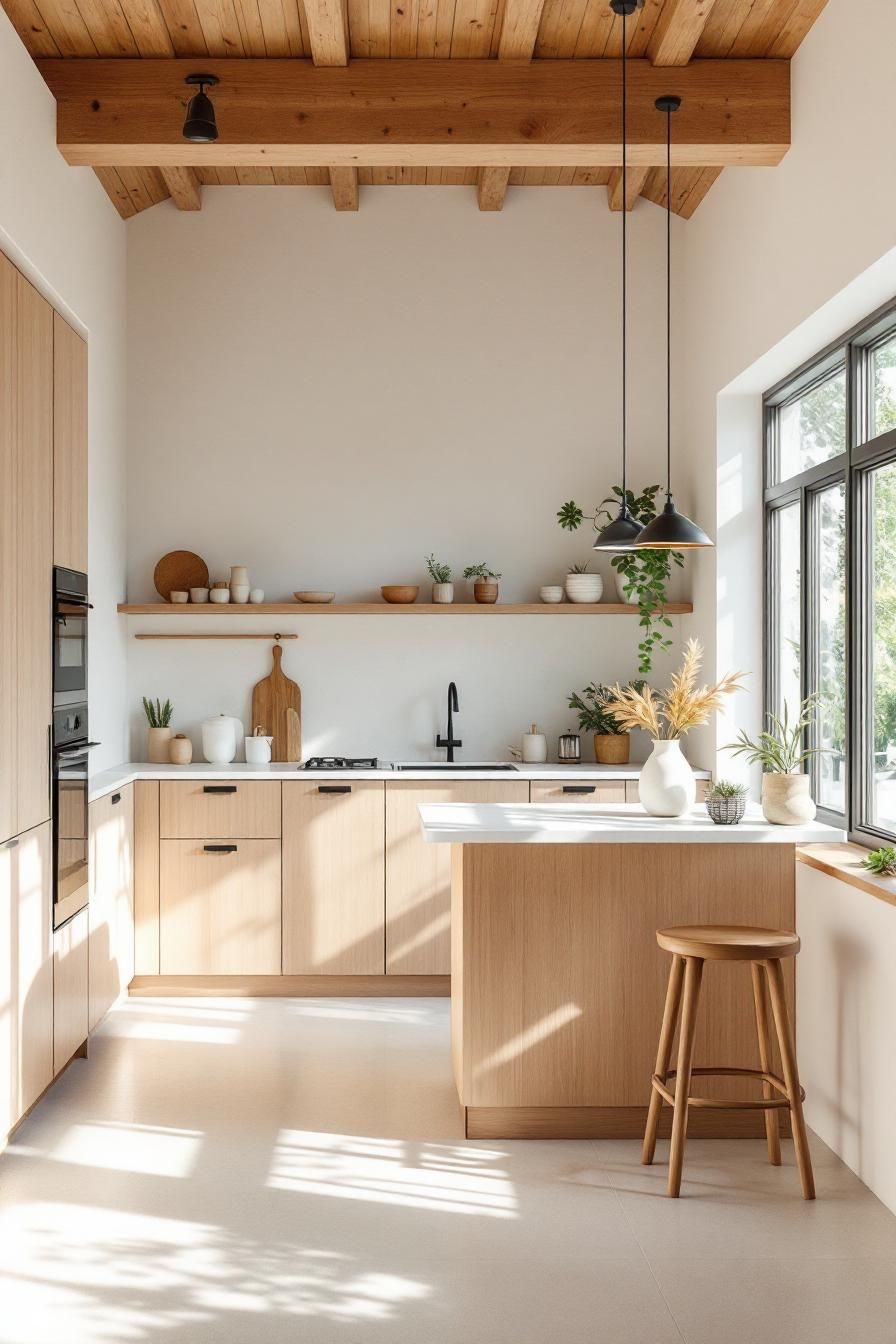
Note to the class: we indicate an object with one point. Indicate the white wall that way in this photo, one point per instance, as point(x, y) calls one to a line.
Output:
point(61, 230)
point(328, 397)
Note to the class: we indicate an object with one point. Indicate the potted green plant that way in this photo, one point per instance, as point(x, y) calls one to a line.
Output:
point(611, 742)
point(442, 587)
point(581, 586)
point(158, 716)
point(642, 577)
point(726, 803)
point(485, 583)
point(881, 862)
point(780, 750)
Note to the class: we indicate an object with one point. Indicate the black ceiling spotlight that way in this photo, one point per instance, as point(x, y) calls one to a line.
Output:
point(624, 530)
point(670, 530)
point(200, 124)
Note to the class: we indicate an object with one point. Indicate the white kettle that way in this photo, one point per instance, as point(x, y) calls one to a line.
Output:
point(220, 738)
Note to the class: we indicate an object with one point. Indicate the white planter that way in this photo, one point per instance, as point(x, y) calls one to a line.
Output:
point(584, 587)
point(666, 786)
point(786, 800)
point(621, 581)
point(443, 592)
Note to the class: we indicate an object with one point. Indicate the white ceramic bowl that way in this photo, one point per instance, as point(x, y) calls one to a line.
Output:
point(179, 596)
point(198, 594)
point(219, 595)
point(551, 593)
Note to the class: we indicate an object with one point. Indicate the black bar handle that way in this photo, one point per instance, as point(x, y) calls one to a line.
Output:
point(579, 788)
point(334, 788)
point(220, 849)
point(219, 788)
point(12, 844)
point(116, 798)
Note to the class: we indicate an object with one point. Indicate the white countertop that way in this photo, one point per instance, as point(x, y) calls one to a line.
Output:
point(604, 823)
point(119, 775)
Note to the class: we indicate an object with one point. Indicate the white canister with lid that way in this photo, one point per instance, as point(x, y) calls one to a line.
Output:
point(258, 749)
point(220, 737)
point(535, 746)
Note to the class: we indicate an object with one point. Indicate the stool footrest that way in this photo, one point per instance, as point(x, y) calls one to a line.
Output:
point(722, 1103)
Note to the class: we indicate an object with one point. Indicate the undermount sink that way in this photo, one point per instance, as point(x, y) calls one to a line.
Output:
point(480, 766)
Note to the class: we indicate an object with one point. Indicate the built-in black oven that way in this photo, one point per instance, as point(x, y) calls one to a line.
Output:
point(71, 751)
point(70, 608)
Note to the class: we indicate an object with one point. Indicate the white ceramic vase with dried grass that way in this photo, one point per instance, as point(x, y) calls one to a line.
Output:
point(666, 785)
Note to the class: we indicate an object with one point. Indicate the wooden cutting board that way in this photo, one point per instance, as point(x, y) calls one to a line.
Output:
point(277, 706)
point(180, 570)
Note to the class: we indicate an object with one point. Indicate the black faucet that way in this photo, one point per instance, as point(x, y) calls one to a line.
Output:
point(450, 741)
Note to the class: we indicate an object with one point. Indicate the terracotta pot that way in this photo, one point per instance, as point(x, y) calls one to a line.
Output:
point(485, 591)
point(157, 749)
point(786, 800)
point(180, 750)
point(612, 748)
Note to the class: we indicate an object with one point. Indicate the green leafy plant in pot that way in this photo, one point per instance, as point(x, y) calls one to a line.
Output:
point(726, 803)
point(881, 862)
point(781, 752)
point(611, 741)
point(158, 716)
point(641, 576)
point(442, 587)
point(485, 583)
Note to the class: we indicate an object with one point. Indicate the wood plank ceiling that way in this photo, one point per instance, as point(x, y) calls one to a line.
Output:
point(331, 32)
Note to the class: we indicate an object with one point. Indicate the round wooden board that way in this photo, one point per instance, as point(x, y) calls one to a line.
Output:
point(179, 571)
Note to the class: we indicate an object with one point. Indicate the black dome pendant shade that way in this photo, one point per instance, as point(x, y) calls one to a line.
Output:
point(622, 533)
point(670, 530)
point(200, 124)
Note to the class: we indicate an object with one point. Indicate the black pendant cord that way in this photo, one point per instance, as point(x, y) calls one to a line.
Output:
point(669, 301)
point(624, 257)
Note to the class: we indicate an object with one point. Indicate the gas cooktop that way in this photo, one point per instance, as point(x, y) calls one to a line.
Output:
point(344, 763)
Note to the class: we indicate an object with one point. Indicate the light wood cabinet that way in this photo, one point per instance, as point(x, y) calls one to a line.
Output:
point(333, 878)
point(196, 809)
point(111, 909)
point(418, 874)
point(219, 907)
point(70, 989)
point(146, 877)
point(34, 938)
point(577, 791)
point(69, 446)
point(8, 562)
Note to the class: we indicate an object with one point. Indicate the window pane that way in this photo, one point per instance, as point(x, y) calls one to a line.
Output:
point(812, 427)
point(881, 769)
point(883, 382)
point(829, 639)
point(786, 560)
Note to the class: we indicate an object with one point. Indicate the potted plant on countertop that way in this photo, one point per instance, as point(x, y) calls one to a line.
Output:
point(642, 577)
point(485, 583)
point(581, 586)
point(611, 742)
point(442, 587)
point(726, 803)
point(158, 716)
point(666, 786)
point(780, 750)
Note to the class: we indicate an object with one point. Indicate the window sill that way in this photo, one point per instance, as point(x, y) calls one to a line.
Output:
point(845, 862)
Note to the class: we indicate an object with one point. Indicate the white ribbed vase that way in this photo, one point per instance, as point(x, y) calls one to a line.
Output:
point(666, 785)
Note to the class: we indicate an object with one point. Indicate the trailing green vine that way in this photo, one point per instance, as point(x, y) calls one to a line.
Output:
point(645, 573)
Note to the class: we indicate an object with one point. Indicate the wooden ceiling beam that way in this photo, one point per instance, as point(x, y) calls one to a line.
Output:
point(344, 186)
point(327, 31)
point(678, 30)
point(492, 188)
point(477, 113)
point(183, 187)
point(635, 179)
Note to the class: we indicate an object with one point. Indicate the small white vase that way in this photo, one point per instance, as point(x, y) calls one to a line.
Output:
point(239, 593)
point(786, 800)
point(666, 785)
point(443, 593)
point(584, 587)
point(621, 583)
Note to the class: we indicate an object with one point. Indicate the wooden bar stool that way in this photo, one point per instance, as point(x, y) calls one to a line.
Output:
point(765, 949)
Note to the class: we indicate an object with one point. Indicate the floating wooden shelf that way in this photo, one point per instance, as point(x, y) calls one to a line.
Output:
point(393, 609)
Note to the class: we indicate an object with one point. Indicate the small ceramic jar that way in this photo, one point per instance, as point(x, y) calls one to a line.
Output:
point(180, 750)
point(239, 592)
point(219, 595)
point(178, 596)
point(199, 595)
point(256, 596)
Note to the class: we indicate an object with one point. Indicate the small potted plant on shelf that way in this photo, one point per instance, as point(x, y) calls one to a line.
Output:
point(485, 583)
point(881, 862)
point(726, 803)
point(780, 750)
point(442, 587)
point(611, 742)
point(158, 716)
point(583, 587)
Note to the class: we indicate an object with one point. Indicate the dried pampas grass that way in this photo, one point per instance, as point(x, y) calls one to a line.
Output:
point(673, 712)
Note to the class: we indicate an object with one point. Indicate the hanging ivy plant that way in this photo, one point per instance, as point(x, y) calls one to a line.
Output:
point(645, 574)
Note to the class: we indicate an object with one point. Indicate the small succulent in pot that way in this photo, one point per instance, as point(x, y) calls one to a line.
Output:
point(158, 716)
point(442, 587)
point(726, 803)
point(485, 583)
point(583, 586)
point(881, 862)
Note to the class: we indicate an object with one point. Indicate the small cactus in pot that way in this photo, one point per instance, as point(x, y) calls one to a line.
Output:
point(726, 803)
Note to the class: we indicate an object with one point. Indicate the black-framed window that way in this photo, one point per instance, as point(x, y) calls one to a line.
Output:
point(830, 550)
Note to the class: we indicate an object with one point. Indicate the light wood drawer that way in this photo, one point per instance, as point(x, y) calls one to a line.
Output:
point(221, 809)
point(577, 791)
point(219, 907)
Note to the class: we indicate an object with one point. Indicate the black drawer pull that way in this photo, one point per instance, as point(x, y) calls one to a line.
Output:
point(12, 844)
point(334, 788)
point(220, 849)
point(116, 798)
point(579, 788)
point(219, 788)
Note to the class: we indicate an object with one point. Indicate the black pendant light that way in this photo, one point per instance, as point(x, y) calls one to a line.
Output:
point(670, 530)
point(200, 124)
point(624, 530)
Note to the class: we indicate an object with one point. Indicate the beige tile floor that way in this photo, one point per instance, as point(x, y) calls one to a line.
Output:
point(257, 1172)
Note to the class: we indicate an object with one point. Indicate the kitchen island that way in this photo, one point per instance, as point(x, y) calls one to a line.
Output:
point(557, 982)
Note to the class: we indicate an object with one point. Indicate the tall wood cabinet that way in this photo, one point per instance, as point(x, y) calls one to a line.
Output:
point(69, 446)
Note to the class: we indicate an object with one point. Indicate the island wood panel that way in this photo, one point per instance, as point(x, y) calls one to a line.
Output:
point(111, 909)
point(561, 977)
point(197, 809)
point(8, 562)
point(219, 913)
point(146, 877)
point(333, 878)
point(69, 446)
point(70, 980)
point(418, 874)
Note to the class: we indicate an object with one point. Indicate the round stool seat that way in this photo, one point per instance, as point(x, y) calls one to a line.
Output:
point(728, 942)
